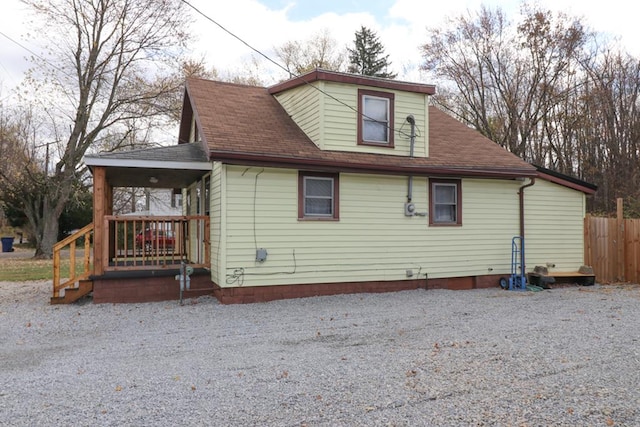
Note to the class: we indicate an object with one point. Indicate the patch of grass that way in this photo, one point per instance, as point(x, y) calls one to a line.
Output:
point(25, 269)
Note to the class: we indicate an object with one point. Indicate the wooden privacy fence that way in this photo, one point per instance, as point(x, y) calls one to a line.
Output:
point(612, 247)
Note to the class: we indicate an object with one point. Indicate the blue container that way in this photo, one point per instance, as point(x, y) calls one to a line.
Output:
point(7, 244)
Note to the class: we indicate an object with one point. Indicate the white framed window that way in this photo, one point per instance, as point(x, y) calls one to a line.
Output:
point(317, 196)
point(375, 112)
point(375, 119)
point(445, 204)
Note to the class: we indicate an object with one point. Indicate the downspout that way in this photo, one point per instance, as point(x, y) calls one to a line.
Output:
point(521, 195)
point(412, 122)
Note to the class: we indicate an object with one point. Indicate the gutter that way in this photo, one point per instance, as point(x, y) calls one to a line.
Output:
point(269, 160)
point(585, 187)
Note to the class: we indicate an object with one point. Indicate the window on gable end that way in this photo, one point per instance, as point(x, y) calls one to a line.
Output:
point(445, 202)
point(318, 196)
point(375, 118)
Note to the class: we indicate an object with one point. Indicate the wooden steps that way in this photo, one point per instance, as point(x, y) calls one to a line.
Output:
point(85, 287)
point(77, 284)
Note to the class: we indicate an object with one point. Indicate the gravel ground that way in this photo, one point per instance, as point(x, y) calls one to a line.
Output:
point(567, 356)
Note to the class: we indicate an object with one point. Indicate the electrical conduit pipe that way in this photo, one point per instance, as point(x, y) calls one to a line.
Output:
point(521, 194)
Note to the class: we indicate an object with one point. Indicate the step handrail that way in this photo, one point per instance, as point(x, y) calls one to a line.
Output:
point(70, 241)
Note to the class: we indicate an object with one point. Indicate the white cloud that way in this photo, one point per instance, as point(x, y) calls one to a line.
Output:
point(407, 31)
point(426, 13)
point(13, 63)
point(616, 18)
point(264, 29)
point(401, 30)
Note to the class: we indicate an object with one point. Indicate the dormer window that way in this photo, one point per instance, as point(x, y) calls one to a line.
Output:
point(375, 118)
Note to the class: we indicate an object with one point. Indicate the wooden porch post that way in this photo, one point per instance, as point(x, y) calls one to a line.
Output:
point(102, 206)
point(587, 240)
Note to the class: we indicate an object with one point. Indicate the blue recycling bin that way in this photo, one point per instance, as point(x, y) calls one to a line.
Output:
point(7, 244)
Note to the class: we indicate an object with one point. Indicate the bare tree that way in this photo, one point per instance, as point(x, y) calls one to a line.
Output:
point(106, 66)
point(171, 101)
point(13, 149)
point(251, 73)
point(319, 51)
point(608, 143)
point(23, 178)
point(548, 90)
point(508, 79)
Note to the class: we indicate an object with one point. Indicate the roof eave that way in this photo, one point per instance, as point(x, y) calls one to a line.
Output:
point(138, 163)
point(343, 166)
point(567, 183)
point(355, 79)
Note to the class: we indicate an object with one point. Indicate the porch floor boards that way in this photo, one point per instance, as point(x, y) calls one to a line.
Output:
point(146, 263)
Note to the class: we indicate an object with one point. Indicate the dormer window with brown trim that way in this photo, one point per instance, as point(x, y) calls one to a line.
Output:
point(375, 118)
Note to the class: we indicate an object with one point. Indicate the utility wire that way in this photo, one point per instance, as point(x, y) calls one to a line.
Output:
point(297, 76)
point(51, 64)
point(31, 52)
point(233, 35)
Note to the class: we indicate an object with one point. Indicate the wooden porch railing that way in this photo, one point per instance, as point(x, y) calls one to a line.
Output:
point(130, 243)
point(74, 276)
point(148, 242)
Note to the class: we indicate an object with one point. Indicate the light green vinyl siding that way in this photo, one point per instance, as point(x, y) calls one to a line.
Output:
point(341, 126)
point(329, 118)
point(304, 105)
point(216, 223)
point(372, 240)
point(554, 226)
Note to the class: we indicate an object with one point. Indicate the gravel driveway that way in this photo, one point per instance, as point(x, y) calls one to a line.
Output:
point(568, 356)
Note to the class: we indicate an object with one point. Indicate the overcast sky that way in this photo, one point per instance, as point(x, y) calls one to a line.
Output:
point(400, 24)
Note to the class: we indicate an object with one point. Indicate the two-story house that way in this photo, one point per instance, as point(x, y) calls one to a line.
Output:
point(336, 183)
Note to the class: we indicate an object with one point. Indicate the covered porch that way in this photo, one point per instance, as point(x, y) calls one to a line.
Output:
point(135, 258)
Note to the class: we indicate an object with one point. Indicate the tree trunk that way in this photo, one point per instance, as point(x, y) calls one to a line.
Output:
point(47, 212)
point(44, 245)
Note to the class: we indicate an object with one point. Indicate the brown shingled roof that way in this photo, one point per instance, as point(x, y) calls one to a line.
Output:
point(246, 125)
point(353, 79)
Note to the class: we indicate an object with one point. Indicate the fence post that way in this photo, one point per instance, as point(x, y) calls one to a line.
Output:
point(620, 239)
point(587, 241)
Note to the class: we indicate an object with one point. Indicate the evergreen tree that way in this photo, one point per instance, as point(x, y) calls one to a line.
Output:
point(367, 57)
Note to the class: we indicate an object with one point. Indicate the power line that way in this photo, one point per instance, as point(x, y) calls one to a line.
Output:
point(243, 42)
point(296, 76)
point(31, 52)
point(42, 59)
point(233, 35)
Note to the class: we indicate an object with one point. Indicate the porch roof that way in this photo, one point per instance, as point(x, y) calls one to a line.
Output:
point(175, 166)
